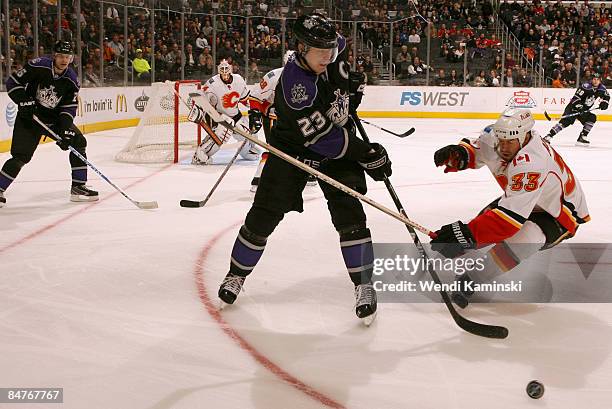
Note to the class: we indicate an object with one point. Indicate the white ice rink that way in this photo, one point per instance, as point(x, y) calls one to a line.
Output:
point(118, 305)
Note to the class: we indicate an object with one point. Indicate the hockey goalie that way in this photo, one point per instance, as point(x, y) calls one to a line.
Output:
point(225, 91)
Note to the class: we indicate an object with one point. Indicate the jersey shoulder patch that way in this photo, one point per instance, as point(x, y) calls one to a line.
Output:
point(42, 62)
point(587, 85)
point(299, 86)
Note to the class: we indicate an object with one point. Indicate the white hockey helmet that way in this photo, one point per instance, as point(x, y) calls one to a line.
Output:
point(514, 123)
point(224, 69)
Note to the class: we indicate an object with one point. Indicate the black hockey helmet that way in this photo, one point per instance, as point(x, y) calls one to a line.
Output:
point(315, 30)
point(63, 47)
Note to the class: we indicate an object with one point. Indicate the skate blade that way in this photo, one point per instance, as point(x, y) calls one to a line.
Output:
point(584, 145)
point(82, 198)
point(367, 321)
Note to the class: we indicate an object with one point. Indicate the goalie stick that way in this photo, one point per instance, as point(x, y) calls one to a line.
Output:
point(403, 135)
point(548, 117)
point(476, 328)
point(56, 138)
point(202, 203)
point(217, 117)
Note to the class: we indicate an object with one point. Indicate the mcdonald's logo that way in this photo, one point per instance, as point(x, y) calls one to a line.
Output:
point(121, 104)
point(80, 111)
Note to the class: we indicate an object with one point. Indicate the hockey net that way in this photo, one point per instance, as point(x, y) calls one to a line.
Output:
point(163, 129)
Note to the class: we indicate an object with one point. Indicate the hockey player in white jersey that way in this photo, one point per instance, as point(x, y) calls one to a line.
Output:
point(225, 91)
point(262, 104)
point(542, 202)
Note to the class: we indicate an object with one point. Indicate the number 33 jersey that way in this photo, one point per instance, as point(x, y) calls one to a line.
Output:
point(537, 179)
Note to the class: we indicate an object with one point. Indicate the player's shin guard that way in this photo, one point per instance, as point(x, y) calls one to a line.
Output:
point(9, 172)
point(582, 138)
point(358, 254)
point(555, 130)
point(79, 169)
point(247, 251)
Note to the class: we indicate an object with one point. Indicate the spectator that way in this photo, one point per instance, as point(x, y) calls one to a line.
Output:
point(556, 82)
point(481, 79)
point(442, 80)
point(402, 62)
point(201, 42)
point(509, 78)
point(522, 79)
point(414, 38)
point(417, 68)
point(191, 62)
point(141, 67)
point(569, 75)
point(493, 79)
point(455, 80)
point(90, 78)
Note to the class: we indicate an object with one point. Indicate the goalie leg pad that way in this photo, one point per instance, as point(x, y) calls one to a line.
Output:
point(209, 146)
point(250, 151)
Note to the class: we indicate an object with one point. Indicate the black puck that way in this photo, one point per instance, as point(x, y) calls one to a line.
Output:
point(535, 389)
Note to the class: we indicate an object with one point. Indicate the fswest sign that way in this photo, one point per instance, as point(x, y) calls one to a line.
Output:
point(434, 98)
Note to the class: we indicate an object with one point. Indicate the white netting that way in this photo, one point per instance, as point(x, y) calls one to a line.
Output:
point(154, 139)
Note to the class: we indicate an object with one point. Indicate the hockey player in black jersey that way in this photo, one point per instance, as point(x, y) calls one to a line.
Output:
point(313, 126)
point(582, 102)
point(48, 88)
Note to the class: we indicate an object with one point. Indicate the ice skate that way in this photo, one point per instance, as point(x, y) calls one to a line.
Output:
point(82, 193)
point(229, 289)
point(582, 141)
point(365, 303)
point(548, 138)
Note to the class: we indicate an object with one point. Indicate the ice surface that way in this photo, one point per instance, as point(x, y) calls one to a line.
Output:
point(118, 305)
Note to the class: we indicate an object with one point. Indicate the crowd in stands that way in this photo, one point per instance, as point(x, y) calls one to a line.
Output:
point(574, 39)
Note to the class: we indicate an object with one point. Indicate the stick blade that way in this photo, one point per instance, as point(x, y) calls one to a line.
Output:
point(547, 116)
point(147, 205)
point(191, 203)
point(407, 133)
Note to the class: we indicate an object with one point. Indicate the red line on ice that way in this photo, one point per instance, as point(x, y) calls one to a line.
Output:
point(229, 331)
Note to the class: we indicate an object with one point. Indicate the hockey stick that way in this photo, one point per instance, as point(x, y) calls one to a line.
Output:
point(217, 117)
point(548, 117)
point(476, 328)
point(201, 203)
point(403, 135)
point(55, 137)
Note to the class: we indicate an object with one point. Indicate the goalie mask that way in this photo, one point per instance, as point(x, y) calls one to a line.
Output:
point(225, 71)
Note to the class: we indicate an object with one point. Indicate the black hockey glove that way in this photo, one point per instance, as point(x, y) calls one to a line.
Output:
point(454, 157)
point(377, 163)
point(27, 109)
point(66, 138)
point(357, 82)
point(453, 239)
point(603, 105)
point(254, 120)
